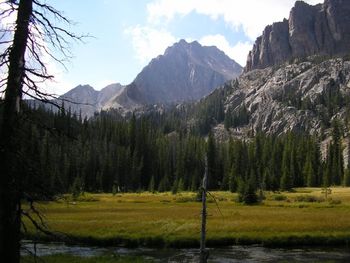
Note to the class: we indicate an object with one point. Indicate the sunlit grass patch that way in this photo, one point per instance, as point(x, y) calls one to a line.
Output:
point(164, 219)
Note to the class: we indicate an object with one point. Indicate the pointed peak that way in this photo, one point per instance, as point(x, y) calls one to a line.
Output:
point(183, 42)
point(81, 87)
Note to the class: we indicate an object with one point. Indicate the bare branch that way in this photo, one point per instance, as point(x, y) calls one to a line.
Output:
point(37, 74)
point(36, 224)
point(7, 11)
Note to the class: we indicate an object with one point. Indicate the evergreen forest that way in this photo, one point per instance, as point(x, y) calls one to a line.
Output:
point(160, 151)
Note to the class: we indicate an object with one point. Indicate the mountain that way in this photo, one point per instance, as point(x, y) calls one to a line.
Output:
point(186, 72)
point(295, 80)
point(321, 29)
point(303, 96)
point(86, 100)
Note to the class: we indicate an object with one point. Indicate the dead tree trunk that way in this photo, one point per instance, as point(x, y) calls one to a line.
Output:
point(203, 251)
point(10, 176)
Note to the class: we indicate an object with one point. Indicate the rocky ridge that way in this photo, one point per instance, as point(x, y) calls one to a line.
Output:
point(186, 72)
point(322, 29)
point(303, 96)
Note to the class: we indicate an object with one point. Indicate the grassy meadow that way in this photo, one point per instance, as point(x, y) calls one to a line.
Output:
point(302, 217)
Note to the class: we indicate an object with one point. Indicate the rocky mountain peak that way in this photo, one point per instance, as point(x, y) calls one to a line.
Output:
point(321, 29)
point(81, 88)
point(186, 72)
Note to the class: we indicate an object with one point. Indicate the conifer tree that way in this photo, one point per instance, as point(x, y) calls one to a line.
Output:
point(286, 180)
point(212, 164)
point(337, 158)
point(151, 187)
point(309, 173)
point(247, 190)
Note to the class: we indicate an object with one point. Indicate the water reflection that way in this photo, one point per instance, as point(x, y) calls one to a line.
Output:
point(232, 254)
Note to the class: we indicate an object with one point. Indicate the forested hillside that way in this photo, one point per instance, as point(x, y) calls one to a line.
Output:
point(157, 152)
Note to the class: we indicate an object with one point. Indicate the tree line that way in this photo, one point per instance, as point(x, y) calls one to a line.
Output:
point(139, 153)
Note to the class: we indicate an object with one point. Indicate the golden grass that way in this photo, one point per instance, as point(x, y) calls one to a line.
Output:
point(166, 219)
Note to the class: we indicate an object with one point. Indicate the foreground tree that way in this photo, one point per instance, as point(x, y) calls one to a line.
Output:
point(22, 60)
point(10, 189)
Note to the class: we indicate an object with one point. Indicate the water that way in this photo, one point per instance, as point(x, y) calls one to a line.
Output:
point(244, 254)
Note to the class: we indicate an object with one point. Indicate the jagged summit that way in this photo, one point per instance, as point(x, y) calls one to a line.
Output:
point(321, 29)
point(186, 72)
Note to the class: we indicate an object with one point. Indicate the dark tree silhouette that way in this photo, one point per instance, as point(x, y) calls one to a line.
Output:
point(34, 34)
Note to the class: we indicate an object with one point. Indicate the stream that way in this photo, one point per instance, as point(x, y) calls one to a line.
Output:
point(230, 254)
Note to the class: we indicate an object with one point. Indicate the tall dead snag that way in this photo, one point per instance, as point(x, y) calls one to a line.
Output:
point(10, 174)
point(32, 37)
point(203, 252)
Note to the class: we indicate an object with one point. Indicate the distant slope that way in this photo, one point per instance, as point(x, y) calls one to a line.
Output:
point(87, 100)
point(186, 72)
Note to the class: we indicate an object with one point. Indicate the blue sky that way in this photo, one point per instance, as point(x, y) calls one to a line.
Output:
point(127, 34)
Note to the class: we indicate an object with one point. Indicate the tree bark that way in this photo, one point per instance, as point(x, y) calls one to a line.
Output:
point(10, 174)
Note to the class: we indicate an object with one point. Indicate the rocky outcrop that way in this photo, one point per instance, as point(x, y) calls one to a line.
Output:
point(322, 29)
point(296, 97)
point(186, 72)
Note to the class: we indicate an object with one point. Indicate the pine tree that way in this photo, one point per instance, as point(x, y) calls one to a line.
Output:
point(233, 180)
point(309, 173)
point(212, 164)
point(286, 180)
point(337, 160)
point(180, 186)
point(247, 190)
point(346, 181)
point(151, 187)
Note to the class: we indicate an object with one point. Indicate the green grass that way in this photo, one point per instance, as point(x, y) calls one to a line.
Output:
point(74, 259)
point(164, 219)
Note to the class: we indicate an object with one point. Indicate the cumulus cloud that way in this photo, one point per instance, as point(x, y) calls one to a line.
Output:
point(237, 52)
point(149, 42)
point(250, 15)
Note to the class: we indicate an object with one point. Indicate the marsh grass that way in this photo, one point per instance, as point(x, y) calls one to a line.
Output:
point(309, 199)
point(163, 219)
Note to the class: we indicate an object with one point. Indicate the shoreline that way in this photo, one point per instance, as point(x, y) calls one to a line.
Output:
point(288, 241)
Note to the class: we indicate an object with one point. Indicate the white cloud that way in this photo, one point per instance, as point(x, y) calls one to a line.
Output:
point(238, 52)
point(149, 42)
point(251, 15)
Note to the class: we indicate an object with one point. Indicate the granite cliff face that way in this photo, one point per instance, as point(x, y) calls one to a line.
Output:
point(303, 96)
point(297, 76)
point(186, 72)
point(322, 29)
